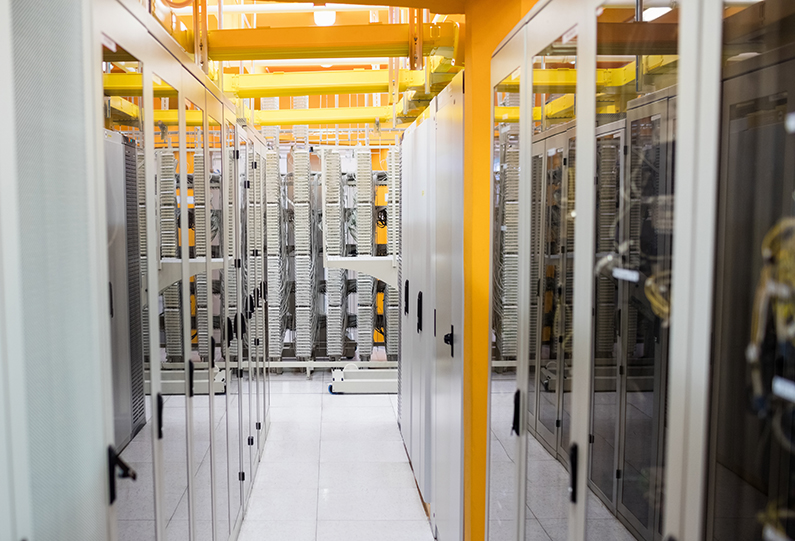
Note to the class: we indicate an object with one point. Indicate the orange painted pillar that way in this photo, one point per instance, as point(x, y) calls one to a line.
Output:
point(487, 24)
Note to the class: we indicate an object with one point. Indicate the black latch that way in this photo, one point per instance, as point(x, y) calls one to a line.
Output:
point(565, 161)
point(590, 438)
point(618, 474)
point(560, 339)
point(237, 154)
point(573, 471)
point(254, 166)
point(191, 370)
point(238, 263)
point(406, 298)
point(247, 184)
point(621, 370)
point(515, 425)
point(241, 476)
point(449, 339)
point(160, 404)
point(557, 423)
point(256, 341)
point(258, 426)
point(419, 311)
point(125, 471)
point(626, 150)
point(251, 440)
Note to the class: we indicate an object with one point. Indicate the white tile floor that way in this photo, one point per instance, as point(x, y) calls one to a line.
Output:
point(334, 468)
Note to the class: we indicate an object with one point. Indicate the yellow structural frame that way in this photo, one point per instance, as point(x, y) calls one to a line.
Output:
point(264, 85)
point(342, 115)
point(131, 84)
point(344, 41)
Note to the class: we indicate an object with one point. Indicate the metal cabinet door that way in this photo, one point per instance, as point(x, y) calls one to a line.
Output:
point(447, 426)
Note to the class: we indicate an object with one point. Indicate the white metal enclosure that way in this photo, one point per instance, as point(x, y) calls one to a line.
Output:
point(419, 186)
point(448, 317)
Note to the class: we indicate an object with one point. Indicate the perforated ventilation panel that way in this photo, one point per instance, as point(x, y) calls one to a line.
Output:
point(65, 344)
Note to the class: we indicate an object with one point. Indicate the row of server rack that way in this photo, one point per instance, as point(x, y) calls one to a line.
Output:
point(218, 279)
point(634, 227)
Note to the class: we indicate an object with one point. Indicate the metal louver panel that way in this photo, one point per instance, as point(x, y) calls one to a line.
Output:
point(168, 205)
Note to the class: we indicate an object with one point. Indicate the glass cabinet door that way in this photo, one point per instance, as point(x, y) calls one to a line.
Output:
point(231, 343)
point(752, 457)
point(125, 179)
point(635, 149)
point(504, 437)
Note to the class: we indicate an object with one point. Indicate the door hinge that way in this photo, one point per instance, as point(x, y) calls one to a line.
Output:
point(618, 474)
point(237, 154)
point(565, 161)
point(251, 440)
point(247, 184)
point(259, 426)
point(590, 438)
point(241, 476)
point(621, 370)
point(238, 263)
point(626, 150)
point(557, 423)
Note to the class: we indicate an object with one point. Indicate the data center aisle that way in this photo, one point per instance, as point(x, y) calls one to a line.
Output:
point(334, 468)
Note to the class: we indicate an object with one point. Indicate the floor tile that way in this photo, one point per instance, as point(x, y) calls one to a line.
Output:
point(363, 451)
point(370, 504)
point(277, 530)
point(283, 504)
point(352, 415)
point(291, 451)
point(356, 475)
point(286, 475)
point(377, 431)
point(301, 431)
point(385, 530)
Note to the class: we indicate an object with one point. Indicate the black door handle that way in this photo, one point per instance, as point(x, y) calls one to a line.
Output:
point(419, 311)
point(449, 339)
point(516, 403)
point(573, 466)
point(191, 370)
point(159, 416)
point(126, 472)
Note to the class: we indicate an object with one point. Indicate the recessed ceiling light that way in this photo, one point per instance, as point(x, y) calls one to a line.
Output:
point(654, 13)
point(326, 65)
point(325, 18)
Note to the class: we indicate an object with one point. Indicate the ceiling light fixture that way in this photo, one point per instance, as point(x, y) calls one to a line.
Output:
point(325, 18)
point(651, 14)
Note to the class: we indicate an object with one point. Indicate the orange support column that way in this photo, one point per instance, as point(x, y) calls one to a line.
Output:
point(488, 23)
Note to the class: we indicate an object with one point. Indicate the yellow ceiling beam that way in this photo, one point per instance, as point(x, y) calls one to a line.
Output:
point(436, 6)
point(353, 41)
point(131, 84)
point(314, 83)
point(125, 110)
point(341, 115)
point(564, 81)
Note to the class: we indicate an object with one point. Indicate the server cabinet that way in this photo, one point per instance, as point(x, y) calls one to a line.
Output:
point(647, 231)
point(751, 460)
point(419, 275)
point(448, 323)
point(553, 168)
point(124, 286)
